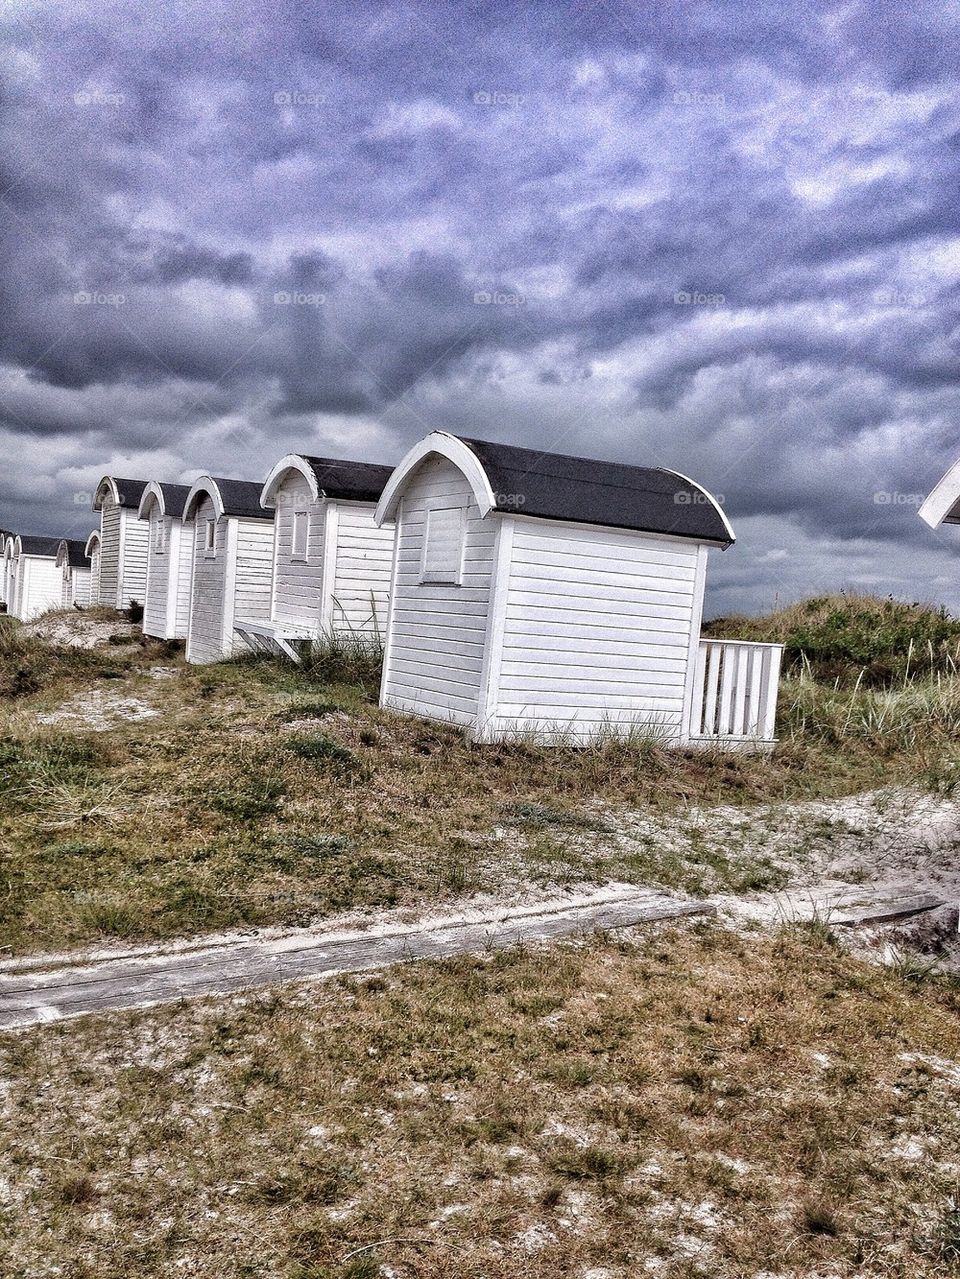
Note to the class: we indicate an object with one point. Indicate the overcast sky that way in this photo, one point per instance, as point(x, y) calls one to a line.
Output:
point(718, 238)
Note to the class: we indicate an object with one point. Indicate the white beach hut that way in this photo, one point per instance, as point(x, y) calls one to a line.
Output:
point(232, 538)
point(7, 570)
point(166, 607)
point(38, 582)
point(75, 573)
point(331, 561)
point(123, 542)
point(942, 505)
point(92, 552)
point(561, 598)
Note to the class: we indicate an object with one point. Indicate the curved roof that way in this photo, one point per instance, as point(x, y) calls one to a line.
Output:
point(88, 548)
point(44, 546)
point(169, 497)
point(229, 497)
point(555, 486)
point(942, 505)
point(125, 492)
point(73, 550)
point(330, 477)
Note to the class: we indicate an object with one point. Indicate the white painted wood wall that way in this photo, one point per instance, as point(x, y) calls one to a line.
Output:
point(39, 586)
point(110, 532)
point(76, 586)
point(9, 575)
point(124, 549)
point(362, 566)
point(343, 585)
point(235, 582)
point(95, 574)
point(205, 631)
point(298, 584)
point(436, 634)
point(166, 607)
point(592, 631)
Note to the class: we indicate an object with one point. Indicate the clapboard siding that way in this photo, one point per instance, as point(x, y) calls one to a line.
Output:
point(76, 587)
point(596, 632)
point(95, 575)
point(297, 584)
point(39, 586)
point(208, 595)
point(80, 583)
point(363, 562)
point(184, 578)
point(133, 565)
point(439, 677)
point(109, 576)
point(156, 604)
point(254, 571)
point(10, 566)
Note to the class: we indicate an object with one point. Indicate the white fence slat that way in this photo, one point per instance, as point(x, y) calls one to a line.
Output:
point(734, 691)
point(758, 660)
point(773, 681)
point(738, 724)
point(713, 675)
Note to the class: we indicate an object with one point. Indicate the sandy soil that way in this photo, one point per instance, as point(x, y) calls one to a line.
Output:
point(97, 711)
point(78, 630)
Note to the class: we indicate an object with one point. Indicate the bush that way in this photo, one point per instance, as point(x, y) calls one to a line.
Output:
point(849, 639)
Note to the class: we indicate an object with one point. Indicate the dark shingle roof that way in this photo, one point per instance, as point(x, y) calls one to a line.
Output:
point(129, 491)
point(174, 496)
point(76, 552)
point(242, 497)
point(349, 481)
point(40, 545)
point(555, 486)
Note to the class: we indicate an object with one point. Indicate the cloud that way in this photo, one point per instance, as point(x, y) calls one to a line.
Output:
point(650, 234)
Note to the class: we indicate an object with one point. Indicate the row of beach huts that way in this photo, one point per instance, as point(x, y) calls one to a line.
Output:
point(514, 592)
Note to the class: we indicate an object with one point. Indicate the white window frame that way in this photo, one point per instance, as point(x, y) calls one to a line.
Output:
point(160, 536)
point(301, 520)
point(210, 539)
point(443, 504)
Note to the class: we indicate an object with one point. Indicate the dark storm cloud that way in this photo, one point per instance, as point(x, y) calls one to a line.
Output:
point(720, 238)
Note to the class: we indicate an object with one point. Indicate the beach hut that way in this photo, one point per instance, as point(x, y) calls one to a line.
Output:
point(92, 552)
point(331, 561)
point(124, 542)
point(5, 535)
point(942, 504)
point(560, 598)
point(232, 537)
point(7, 570)
point(38, 584)
point(75, 573)
point(166, 607)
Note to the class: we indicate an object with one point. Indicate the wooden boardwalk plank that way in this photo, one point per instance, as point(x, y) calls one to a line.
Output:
point(32, 997)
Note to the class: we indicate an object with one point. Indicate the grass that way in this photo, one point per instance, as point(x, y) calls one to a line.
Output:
point(844, 638)
point(680, 1103)
point(267, 794)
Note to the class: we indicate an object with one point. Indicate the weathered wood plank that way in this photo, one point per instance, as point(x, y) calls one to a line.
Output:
point(33, 997)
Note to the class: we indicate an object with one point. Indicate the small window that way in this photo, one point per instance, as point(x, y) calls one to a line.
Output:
point(210, 538)
point(301, 535)
point(443, 545)
point(159, 536)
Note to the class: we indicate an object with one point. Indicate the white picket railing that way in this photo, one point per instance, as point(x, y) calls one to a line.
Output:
point(735, 692)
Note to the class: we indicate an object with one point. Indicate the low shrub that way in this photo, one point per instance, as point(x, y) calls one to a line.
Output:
point(847, 639)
